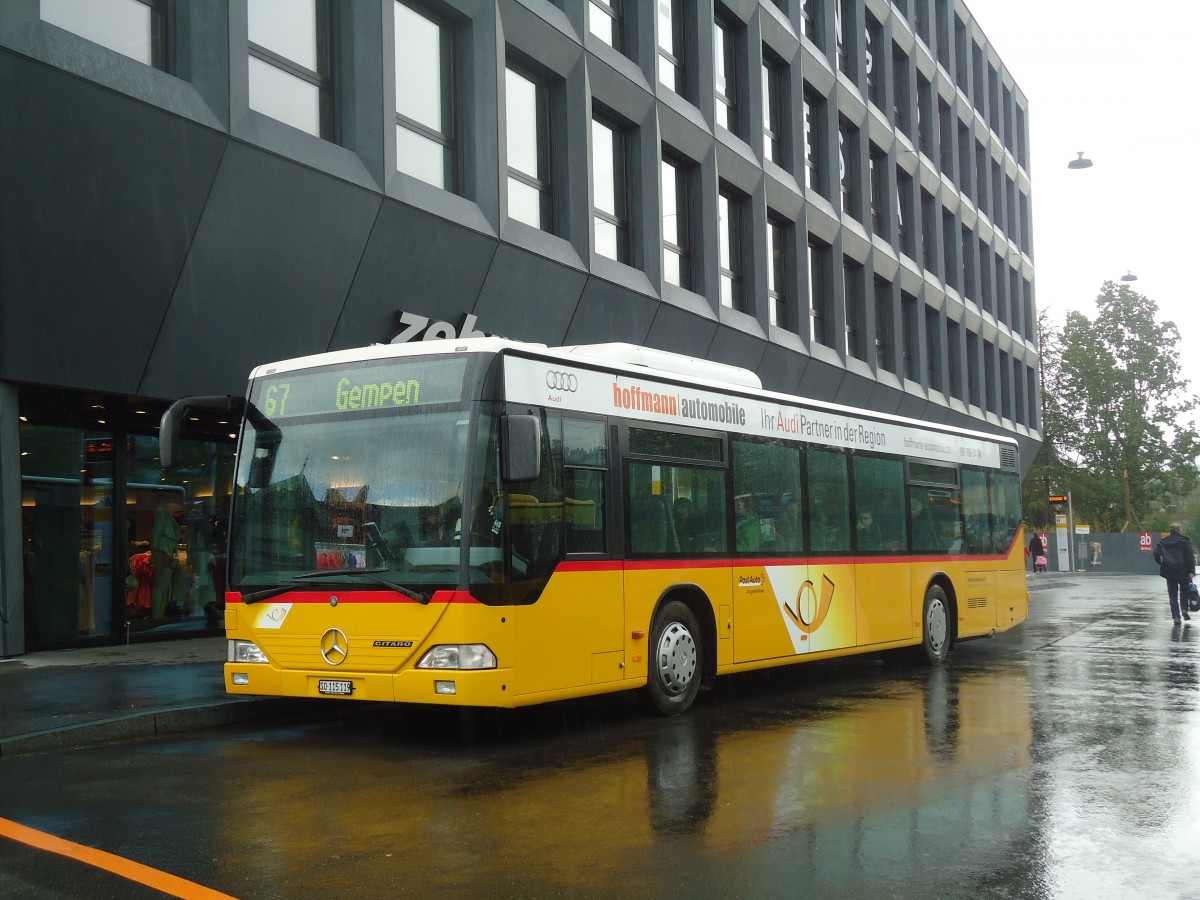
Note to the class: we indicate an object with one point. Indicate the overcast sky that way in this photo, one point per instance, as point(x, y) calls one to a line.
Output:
point(1115, 80)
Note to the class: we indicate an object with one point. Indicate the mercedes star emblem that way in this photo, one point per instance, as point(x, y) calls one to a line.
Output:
point(334, 647)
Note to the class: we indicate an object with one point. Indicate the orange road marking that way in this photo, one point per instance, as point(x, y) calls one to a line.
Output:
point(126, 868)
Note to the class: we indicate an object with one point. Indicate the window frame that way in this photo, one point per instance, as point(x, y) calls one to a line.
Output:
point(447, 137)
point(543, 180)
point(323, 81)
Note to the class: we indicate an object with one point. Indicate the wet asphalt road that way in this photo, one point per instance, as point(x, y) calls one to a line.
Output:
point(1059, 760)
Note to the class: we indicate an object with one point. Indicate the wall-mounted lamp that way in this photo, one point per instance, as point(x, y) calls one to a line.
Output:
point(1080, 163)
point(1129, 276)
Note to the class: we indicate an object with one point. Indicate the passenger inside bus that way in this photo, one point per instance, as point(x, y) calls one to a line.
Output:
point(747, 527)
point(652, 530)
point(789, 534)
point(687, 526)
point(869, 537)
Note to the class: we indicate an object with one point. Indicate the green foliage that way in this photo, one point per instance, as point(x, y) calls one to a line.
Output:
point(1118, 419)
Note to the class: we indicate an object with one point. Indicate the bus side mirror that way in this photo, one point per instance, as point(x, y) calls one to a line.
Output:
point(521, 443)
point(172, 422)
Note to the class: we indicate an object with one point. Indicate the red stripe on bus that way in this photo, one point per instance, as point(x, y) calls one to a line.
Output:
point(309, 596)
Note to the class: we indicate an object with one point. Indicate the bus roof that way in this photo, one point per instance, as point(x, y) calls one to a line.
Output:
point(629, 359)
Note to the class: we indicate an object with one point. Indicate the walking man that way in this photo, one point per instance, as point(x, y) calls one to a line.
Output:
point(1177, 564)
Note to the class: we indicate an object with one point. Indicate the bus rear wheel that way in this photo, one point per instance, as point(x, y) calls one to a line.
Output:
point(935, 627)
point(675, 669)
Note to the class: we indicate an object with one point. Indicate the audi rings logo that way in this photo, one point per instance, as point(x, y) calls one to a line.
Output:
point(562, 381)
point(334, 647)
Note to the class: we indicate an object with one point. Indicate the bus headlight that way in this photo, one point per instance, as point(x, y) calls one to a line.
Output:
point(458, 656)
point(245, 652)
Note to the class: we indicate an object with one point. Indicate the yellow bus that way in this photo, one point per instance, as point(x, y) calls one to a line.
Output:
point(483, 522)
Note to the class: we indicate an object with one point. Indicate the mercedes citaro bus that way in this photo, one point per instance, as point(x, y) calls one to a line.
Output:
point(484, 522)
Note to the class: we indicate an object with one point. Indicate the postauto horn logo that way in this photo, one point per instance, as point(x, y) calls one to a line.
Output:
point(562, 381)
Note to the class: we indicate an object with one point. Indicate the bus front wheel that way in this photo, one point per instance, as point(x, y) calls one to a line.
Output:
point(935, 627)
point(675, 664)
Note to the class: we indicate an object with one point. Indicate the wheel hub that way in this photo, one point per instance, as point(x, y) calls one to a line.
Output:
point(676, 658)
point(936, 626)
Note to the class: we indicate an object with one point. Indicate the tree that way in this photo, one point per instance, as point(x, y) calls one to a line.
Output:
point(1126, 414)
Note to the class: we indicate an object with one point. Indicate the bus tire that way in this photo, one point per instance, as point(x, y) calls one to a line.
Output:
point(935, 627)
point(675, 660)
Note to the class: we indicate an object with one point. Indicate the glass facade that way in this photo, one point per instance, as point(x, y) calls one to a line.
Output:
point(112, 546)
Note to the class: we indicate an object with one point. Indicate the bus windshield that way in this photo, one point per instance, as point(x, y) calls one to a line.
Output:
point(336, 478)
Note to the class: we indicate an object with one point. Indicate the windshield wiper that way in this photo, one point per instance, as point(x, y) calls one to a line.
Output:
point(370, 574)
point(248, 599)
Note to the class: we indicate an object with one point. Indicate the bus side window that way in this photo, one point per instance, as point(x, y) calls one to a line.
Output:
point(766, 488)
point(977, 523)
point(880, 522)
point(585, 461)
point(828, 501)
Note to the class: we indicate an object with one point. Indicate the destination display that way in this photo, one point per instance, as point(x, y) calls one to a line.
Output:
point(367, 388)
point(607, 393)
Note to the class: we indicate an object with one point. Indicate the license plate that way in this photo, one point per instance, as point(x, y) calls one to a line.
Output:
point(340, 688)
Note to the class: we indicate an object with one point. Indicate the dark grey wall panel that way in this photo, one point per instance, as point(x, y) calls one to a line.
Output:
point(415, 262)
point(101, 195)
point(681, 332)
point(528, 296)
point(854, 390)
point(610, 313)
point(781, 369)
point(736, 348)
point(820, 379)
point(269, 271)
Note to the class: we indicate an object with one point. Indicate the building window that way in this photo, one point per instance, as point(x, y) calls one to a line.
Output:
point(925, 115)
point(671, 59)
point(133, 28)
point(873, 60)
point(605, 21)
point(950, 248)
point(933, 356)
point(856, 308)
point(820, 297)
point(964, 160)
point(778, 301)
point(954, 358)
point(289, 63)
point(675, 224)
point(1031, 407)
point(847, 171)
point(843, 19)
point(1018, 373)
point(610, 208)
point(981, 178)
point(725, 62)
point(814, 108)
point(985, 277)
point(528, 153)
point(970, 285)
point(885, 326)
point(906, 230)
point(879, 192)
point(973, 395)
point(775, 108)
point(989, 376)
point(1006, 391)
point(946, 134)
point(810, 27)
point(929, 242)
point(424, 136)
point(910, 322)
point(731, 210)
point(901, 95)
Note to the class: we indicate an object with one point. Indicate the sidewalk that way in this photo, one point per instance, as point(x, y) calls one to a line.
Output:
point(70, 698)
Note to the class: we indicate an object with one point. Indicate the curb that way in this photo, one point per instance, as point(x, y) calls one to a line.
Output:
point(151, 724)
